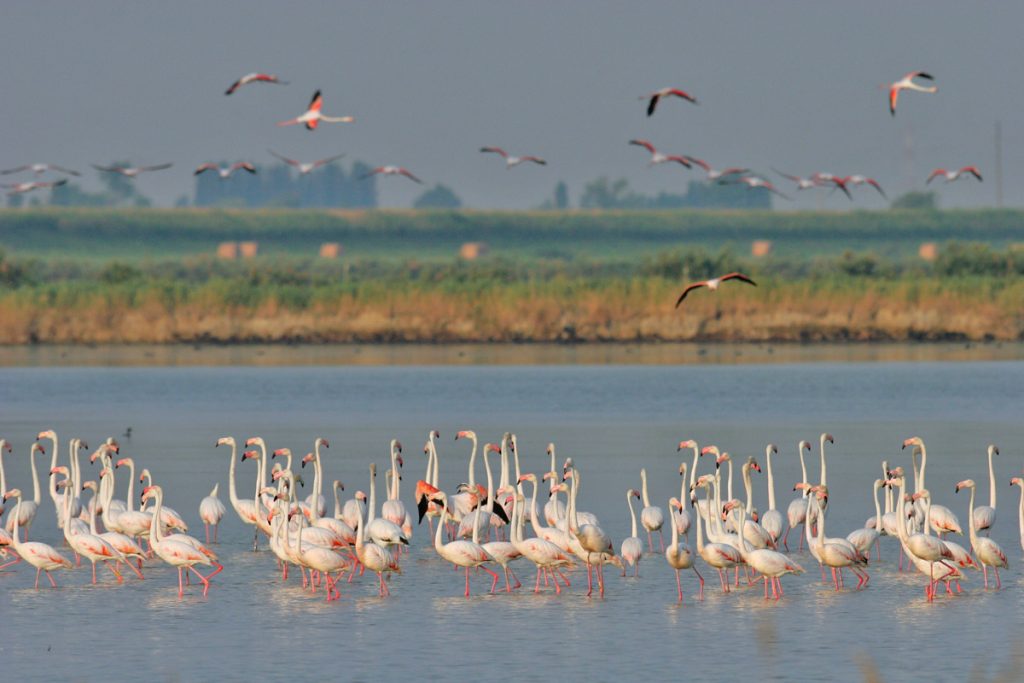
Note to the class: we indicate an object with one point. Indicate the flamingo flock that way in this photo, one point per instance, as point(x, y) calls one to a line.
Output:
point(482, 530)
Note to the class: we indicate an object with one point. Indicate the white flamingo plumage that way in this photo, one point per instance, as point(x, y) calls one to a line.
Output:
point(312, 117)
point(655, 97)
point(40, 555)
point(21, 188)
point(131, 171)
point(510, 160)
point(224, 172)
point(950, 176)
point(304, 167)
point(713, 284)
point(393, 170)
point(658, 157)
point(39, 169)
point(907, 83)
point(254, 77)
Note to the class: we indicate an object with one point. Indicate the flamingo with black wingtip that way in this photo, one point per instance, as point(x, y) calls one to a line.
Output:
point(659, 158)
point(511, 161)
point(313, 116)
point(225, 172)
point(654, 97)
point(907, 83)
point(713, 284)
point(950, 176)
point(39, 169)
point(254, 78)
point(712, 173)
point(392, 170)
point(306, 167)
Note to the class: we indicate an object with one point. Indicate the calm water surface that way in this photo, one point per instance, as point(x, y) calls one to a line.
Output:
point(612, 420)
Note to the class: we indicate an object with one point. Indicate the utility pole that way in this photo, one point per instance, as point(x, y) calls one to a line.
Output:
point(999, 163)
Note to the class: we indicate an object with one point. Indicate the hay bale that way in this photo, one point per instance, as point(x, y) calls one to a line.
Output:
point(248, 249)
point(330, 250)
point(227, 250)
point(928, 251)
point(761, 248)
point(473, 250)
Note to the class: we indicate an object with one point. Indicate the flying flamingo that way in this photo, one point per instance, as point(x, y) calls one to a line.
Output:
point(858, 179)
point(306, 167)
point(656, 96)
point(753, 182)
point(950, 176)
point(801, 183)
point(392, 170)
point(988, 552)
point(313, 117)
point(41, 556)
point(175, 552)
point(907, 83)
point(659, 158)
point(679, 555)
point(838, 182)
point(632, 548)
point(713, 174)
point(254, 78)
point(131, 171)
point(39, 169)
point(21, 188)
point(467, 554)
point(211, 511)
point(713, 284)
point(511, 161)
point(225, 172)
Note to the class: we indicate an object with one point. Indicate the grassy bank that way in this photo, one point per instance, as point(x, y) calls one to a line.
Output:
point(104, 234)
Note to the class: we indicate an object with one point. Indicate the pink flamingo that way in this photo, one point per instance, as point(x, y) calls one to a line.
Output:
point(907, 83)
point(313, 116)
point(657, 157)
point(40, 555)
point(254, 78)
point(654, 97)
point(713, 284)
point(511, 161)
point(950, 176)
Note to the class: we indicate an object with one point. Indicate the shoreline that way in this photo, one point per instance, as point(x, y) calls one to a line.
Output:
point(530, 353)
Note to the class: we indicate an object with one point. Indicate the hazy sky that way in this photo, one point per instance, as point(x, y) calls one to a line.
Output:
point(787, 84)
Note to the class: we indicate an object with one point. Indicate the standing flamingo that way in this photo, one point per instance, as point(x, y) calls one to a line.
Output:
point(651, 516)
point(211, 511)
point(770, 564)
point(29, 508)
point(632, 548)
point(678, 555)
point(772, 520)
point(548, 557)
point(175, 552)
point(466, 554)
point(988, 552)
point(41, 556)
point(985, 515)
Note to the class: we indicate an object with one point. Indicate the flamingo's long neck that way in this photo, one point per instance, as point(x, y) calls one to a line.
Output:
point(373, 496)
point(37, 494)
point(318, 485)
point(393, 489)
point(52, 481)
point(438, 544)
point(534, 522)
point(730, 482)
point(437, 465)
point(643, 479)
point(131, 486)
point(232, 486)
point(14, 532)
point(824, 469)
point(503, 476)
point(803, 467)
point(490, 487)
point(991, 480)
point(748, 487)
point(91, 507)
point(632, 514)
point(878, 510)
point(337, 502)
point(700, 527)
point(673, 547)
point(924, 466)
point(693, 472)
point(888, 489)
point(155, 530)
point(970, 520)
point(771, 480)
point(472, 464)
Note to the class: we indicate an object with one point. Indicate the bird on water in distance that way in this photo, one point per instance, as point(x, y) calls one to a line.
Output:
point(655, 97)
point(713, 284)
point(907, 83)
point(254, 78)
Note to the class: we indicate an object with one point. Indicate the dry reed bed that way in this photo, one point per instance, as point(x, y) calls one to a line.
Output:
point(639, 309)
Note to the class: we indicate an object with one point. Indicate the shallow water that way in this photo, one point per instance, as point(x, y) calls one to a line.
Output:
point(612, 420)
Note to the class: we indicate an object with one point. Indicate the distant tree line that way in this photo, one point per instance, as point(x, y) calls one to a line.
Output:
point(603, 193)
point(278, 186)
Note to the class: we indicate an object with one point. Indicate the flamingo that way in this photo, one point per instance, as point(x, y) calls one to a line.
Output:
point(211, 511)
point(752, 183)
point(312, 117)
point(40, 555)
point(511, 161)
point(801, 183)
point(383, 532)
point(123, 544)
point(551, 534)
point(863, 539)
point(907, 83)
point(651, 516)
point(721, 556)
point(839, 182)
point(40, 168)
point(659, 158)
point(169, 517)
point(700, 505)
point(306, 167)
point(654, 97)
point(858, 179)
point(29, 508)
point(772, 520)
point(931, 550)
point(245, 509)
point(988, 552)
point(479, 520)
point(316, 497)
point(985, 515)
point(86, 544)
point(942, 519)
point(681, 516)
point(632, 548)
point(131, 171)
point(225, 172)
point(554, 509)
point(678, 555)
point(835, 555)
point(254, 78)
point(590, 539)
point(176, 552)
point(1018, 481)
point(373, 556)
point(950, 176)
point(21, 188)
point(504, 552)
point(713, 284)
point(392, 170)
point(323, 560)
point(466, 554)
point(713, 174)
point(393, 509)
point(770, 564)
point(547, 556)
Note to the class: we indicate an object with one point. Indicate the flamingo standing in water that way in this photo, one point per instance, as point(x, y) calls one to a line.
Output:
point(985, 515)
point(211, 511)
point(655, 97)
point(313, 116)
point(658, 157)
point(713, 284)
point(254, 78)
point(950, 176)
point(632, 548)
point(772, 565)
point(176, 552)
point(907, 83)
point(772, 520)
point(29, 508)
point(40, 555)
point(651, 516)
point(511, 161)
point(547, 556)
point(467, 554)
point(678, 555)
point(988, 552)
